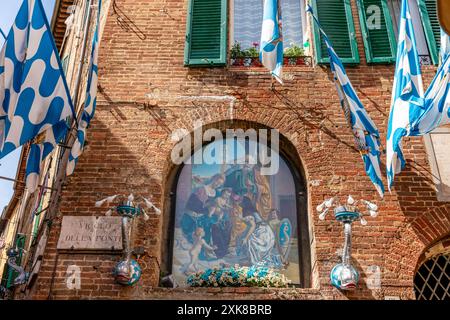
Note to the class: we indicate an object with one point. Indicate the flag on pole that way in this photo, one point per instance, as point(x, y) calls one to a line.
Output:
point(413, 112)
point(445, 45)
point(271, 49)
point(366, 134)
point(435, 110)
point(406, 94)
point(33, 91)
point(89, 104)
point(39, 151)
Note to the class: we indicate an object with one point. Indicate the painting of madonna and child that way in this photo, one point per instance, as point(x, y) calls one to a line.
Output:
point(230, 214)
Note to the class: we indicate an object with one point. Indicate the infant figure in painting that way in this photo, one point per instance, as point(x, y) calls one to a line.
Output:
point(222, 203)
point(221, 226)
point(194, 252)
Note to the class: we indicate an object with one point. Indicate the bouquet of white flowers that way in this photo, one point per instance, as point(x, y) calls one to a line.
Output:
point(238, 276)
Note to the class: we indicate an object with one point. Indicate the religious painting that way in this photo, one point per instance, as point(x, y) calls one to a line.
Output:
point(231, 214)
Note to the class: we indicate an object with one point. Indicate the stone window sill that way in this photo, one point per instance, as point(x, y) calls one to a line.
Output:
point(254, 63)
point(240, 290)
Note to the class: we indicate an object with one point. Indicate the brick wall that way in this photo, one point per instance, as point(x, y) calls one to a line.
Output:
point(142, 99)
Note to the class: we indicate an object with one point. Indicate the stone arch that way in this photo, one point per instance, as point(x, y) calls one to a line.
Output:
point(431, 277)
point(289, 152)
point(440, 246)
point(411, 241)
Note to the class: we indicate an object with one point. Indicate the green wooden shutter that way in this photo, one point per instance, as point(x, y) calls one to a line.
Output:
point(336, 19)
point(430, 21)
point(206, 33)
point(379, 39)
point(12, 274)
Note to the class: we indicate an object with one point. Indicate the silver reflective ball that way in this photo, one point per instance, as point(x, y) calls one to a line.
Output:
point(122, 272)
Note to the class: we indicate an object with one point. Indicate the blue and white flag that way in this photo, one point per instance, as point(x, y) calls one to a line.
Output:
point(271, 49)
point(445, 45)
point(89, 104)
point(366, 134)
point(33, 92)
point(413, 112)
point(40, 150)
point(435, 110)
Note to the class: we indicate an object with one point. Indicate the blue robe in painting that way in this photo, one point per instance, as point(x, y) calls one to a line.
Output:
point(196, 215)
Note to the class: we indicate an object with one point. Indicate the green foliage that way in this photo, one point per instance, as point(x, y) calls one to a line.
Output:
point(252, 52)
point(294, 51)
point(236, 51)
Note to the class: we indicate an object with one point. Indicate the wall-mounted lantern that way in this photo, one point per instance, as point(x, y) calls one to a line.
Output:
point(127, 271)
point(344, 275)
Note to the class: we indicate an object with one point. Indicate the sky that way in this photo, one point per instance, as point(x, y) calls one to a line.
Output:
point(8, 165)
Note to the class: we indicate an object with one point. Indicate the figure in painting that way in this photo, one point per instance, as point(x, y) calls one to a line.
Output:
point(241, 229)
point(194, 253)
point(261, 245)
point(284, 239)
point(241, 179)
point(263, 197)
point(221, 228)
point(274, 220)
point(246, 181)
point(196, 213)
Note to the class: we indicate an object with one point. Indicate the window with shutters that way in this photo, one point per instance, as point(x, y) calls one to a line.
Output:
point(336, 19)
point(428, 12)
point(206, 33)
point(426, 27)
point(377, 30)
point(247, 16)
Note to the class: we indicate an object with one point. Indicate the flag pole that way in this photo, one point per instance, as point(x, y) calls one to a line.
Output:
point(281, 30)
point(23, 182)
point(3, 34)
point(60, 175)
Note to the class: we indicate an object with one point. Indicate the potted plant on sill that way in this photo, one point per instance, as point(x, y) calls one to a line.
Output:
point(253, 55)
point(294, 55)
point(237, 55)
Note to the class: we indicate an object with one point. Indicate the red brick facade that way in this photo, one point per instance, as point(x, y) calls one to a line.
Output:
point(142, 99)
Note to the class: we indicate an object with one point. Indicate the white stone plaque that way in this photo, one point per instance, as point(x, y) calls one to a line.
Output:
point(90, 233)
point(438, 149)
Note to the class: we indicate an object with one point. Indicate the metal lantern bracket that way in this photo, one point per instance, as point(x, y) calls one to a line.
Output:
point(127, 271)
point(344, 275)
